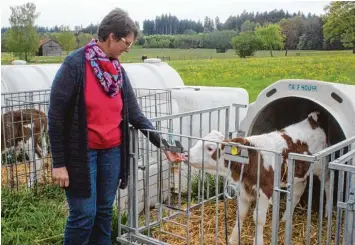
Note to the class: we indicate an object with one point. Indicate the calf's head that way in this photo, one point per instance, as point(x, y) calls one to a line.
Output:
point(203, 154)
point(209, 153)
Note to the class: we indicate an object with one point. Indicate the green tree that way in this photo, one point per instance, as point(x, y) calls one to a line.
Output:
point(270, 36)
point(4, 37)
point(245, 44)
point(190, 32)
point(22, 37)
point(83, 39)
point(218, 24)
point(249, 26)
point(312, 38)
point(66, 38)
point(208, 24)
point(291, 29)
point(340, 23)
point(220, 40)
point(140, 39)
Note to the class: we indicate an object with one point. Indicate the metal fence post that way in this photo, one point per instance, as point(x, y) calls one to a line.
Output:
point(226, 127)
point(349, 227)
point(290, 185)
point(350, 217)
point(276, 200)
point(133, 180)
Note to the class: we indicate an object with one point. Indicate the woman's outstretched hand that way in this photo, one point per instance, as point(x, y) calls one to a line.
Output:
point(174, 156)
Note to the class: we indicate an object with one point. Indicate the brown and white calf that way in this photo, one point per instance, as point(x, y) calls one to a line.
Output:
point(24, 129)
point(305, 137)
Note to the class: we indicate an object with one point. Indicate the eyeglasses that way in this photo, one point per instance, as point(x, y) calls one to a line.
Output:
point(128, 44)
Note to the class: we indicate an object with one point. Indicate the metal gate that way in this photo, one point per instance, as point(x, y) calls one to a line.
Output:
point(340, 162)
point(180, 204)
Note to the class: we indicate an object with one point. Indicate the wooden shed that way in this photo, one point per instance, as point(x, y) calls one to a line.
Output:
point(49, 48)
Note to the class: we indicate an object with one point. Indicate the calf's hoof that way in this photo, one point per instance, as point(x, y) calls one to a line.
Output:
point(260, 241)
point(234, 242)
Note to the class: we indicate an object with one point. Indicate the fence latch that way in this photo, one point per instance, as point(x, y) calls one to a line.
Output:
point(173, 148)
point(231, 191)
point(350, 204)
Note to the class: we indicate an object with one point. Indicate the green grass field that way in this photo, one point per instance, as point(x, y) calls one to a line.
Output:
point(186, 54)
point(208, 68)
point(28, 218)
point(197, 54)
point(257, 73)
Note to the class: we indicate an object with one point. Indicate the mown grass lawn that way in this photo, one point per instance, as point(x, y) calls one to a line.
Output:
point(37, 216)
point(32, 218)
point(136, 54)
point(257, 73)
point(207, 68)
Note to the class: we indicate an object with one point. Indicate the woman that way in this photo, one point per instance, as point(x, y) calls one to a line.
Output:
point(91, 105)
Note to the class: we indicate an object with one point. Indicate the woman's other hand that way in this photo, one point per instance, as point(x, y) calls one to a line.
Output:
point(60, 176)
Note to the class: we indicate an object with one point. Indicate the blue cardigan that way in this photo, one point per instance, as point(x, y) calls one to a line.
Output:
point(67, 126)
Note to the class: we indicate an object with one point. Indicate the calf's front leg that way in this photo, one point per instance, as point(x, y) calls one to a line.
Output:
point(262, 209)
point(299, 187)
point(243, 207)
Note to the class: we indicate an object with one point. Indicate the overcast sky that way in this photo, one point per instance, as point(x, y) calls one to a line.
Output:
point(80, 12)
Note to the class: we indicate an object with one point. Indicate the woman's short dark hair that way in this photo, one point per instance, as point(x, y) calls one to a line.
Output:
point(117, 22)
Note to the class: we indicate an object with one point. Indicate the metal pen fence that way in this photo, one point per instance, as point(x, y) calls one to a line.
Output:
point(23, 113)
point(10, 99)
point(210, 207)
point(24, 140)
point(322, 229)
point(152, 165)
point(347, 204)
point(153, 102)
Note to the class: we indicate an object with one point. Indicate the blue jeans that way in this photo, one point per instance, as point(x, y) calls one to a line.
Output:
point(89, 220)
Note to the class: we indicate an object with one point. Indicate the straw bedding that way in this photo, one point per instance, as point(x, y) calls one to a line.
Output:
point(209, 226)
point(18, 174)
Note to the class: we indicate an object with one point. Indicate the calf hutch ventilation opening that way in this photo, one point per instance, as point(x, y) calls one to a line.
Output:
point(169, 203)
point(288, 101)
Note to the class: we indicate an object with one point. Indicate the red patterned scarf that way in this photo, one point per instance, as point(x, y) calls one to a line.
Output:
point(107, 71)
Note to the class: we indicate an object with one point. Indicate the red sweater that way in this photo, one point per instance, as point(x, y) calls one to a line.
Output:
point(103, 114)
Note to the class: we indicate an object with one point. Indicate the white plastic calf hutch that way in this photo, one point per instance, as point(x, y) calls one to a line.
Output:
point(289, 101)
point(16, 78)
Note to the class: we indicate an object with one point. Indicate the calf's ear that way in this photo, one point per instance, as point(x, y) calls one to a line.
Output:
point(238, 140)
point(241, 141)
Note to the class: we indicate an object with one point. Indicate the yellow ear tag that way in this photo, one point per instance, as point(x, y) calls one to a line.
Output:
point(234, 151)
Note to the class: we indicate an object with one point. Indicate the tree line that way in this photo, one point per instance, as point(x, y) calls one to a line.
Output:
point(171, 25)
point(332, 31)
point(289, 31)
